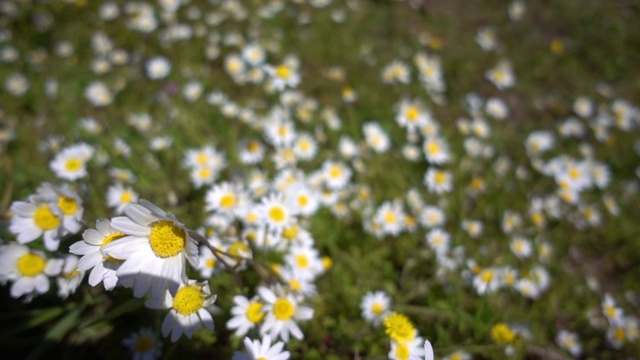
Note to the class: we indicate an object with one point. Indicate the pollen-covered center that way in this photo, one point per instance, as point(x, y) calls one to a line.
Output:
point(412, 113)
point(377, 308)
point(45, 219)
point(68, 205)
point(440, 177)
point(108, 239)
point(73, 165)
point(143, 344)
point(277, 214)
point(254, 312)
point(227, 200)
point(126, 197)
point(402, 351)
point(283, 309)
point(188, 300)
point(399, 328)
point(433, 148)
point(390, 217)
point(31, 265)
point(167, 239)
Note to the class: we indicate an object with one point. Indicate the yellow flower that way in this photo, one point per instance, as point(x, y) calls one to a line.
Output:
point(502, 334)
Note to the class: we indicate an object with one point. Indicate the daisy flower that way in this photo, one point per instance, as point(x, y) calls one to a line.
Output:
point(486, 281)
point(375, 306)
point(277, 214)
point(155, 250)
point(70, 163)
point(391, 216)
point(29, 270)
point(305, 147)
point(396, 72)
point(336, 174)
point(70, 277)
point(246, 315)
point(188, 309)
point(144, 344)
point(262, 350)
point(251, 151)
point(412, 115)
point(438, 240)
point(304, 199)
point(431, 216)
point(376, 137)
point(283, 76)
point(436, 150)
point(438, 181)
point(253, 54)
point(31, 220)
point(501, 75)
point(119, 196)
point(158, 68)
point(497, 108)
point(103, 268)
point(521, 247)
point(282, 311)
point(304, 259)
point(409, 350)
point(570, 342)
point(98, 94)
point(67, 202)
point(226, 198)
point(399, 328)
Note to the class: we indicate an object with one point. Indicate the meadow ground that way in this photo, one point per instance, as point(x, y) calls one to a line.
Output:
point(348, 178)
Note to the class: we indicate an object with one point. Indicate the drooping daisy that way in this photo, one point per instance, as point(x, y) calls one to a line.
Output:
point(70, 277)
point(188, 309)
point(144, 344)
point(375, 306)
point(262, 350)
point(29, 270)
point(570, 342)
point(70, 163)
point(155, 250)
point(282, 311)
point(103, 268)
point(376, 137)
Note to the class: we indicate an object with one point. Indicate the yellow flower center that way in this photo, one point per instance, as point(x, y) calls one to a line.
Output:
point(227, 201)
point(303, 200)
point(610, 311)
point(412, 113)
point(283, 309)
point(433, 148)
point(399, 328)
point(68, 205)
point(126, 197)
point(440, 177)
point(253, 146)
point(335, 172)
point(254, 312)
point(291, 232)
point(620, 334)
point(71, 275)
point(188, 300)
point(143, 344)
point(574, 173)
point(238, 248)
point(45, 219)
point(305, 145)
point(277, 214)
point(402, 351)
point(283, 72)
point(486, 276)
point(109, 238)
point(377, 308)
point(295, 284)
point(390, 217)
point(31, 265)
point(167, 239)
point(202, 158)
point(205, 173)
point(73, 165)
point(302, 261)
point(210, 263)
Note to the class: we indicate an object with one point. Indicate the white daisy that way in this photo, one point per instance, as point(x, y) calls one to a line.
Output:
point(119, 196)
point(31, 220)
point(262, 350)
point(375, 306)
point(246, 315)
point(282, 311)
point(143, 344)
point(70, 163)
point(103, 268)
point(70, 277)
point(438, 181)
point(29, 270)
point(154, 251)
point(188, 309)
point(158, 68)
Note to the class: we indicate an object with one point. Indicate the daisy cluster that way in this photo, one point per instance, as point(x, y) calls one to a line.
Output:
point(292, 193)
